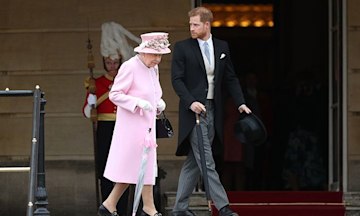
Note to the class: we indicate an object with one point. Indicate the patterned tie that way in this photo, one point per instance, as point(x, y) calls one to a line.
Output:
point(207, 52)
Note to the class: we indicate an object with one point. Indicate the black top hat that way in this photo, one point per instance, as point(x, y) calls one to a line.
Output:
point(250, 130)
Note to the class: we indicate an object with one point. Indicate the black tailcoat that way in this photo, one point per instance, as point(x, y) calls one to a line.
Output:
point(190, 83)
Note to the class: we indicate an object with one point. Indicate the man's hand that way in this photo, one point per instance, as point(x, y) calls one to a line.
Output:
point(197, 107)
point(244, 108)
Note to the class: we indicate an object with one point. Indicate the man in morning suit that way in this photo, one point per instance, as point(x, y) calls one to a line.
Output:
point(201, 69)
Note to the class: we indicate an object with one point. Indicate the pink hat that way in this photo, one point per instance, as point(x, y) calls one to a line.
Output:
point(154, 42)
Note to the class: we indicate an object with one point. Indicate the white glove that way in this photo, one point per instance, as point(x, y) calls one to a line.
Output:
point(91, 100)
point(145, 105)
point(161, 105)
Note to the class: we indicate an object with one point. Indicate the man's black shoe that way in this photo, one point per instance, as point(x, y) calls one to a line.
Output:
point(183, 213)
point(226, 211)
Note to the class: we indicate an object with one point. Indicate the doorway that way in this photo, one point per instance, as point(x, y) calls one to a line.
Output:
point(291, 64)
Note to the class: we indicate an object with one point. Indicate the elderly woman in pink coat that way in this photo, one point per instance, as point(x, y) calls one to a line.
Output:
point(137, 94)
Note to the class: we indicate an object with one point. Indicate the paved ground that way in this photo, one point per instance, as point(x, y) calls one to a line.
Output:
point(70, 188)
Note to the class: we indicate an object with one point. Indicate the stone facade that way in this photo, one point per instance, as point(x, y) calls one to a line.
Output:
point(44, 43)
point(353, 112)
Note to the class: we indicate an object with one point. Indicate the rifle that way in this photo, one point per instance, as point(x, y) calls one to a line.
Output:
point(92, 90)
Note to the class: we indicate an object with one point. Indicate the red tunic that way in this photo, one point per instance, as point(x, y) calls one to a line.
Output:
point(106, 110)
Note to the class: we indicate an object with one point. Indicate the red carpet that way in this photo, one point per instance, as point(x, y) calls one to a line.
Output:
point(286, 203)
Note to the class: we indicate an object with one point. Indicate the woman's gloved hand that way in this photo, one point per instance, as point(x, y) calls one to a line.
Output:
point(161, 105)
point(145, 105)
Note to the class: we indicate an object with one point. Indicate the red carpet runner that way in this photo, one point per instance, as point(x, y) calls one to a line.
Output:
point(286, 203)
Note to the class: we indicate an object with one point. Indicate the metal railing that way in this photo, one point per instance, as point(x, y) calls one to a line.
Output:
point(37, 197)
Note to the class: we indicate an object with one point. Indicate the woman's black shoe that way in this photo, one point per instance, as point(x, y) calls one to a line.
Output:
point(103, 211)
point(145, 214)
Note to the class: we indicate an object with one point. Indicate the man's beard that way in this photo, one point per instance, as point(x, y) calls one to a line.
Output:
point(198, 35)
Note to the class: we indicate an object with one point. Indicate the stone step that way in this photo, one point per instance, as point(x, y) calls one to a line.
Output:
point(197, 199)
point(199, 211)
point(197, 203)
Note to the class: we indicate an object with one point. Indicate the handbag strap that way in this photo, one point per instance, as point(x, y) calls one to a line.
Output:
point(162, 115)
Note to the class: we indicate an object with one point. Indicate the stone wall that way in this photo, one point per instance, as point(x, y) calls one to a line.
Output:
point(44, 43)
point(353, 112)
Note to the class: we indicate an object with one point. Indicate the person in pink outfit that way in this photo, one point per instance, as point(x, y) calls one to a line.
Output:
point(137, 94)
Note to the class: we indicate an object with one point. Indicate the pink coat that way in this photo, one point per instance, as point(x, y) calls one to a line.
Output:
point(134, 81)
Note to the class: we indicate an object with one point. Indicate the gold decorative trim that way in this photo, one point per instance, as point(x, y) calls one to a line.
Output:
point(102, 98)
point(107, 76)
point(106, 117)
